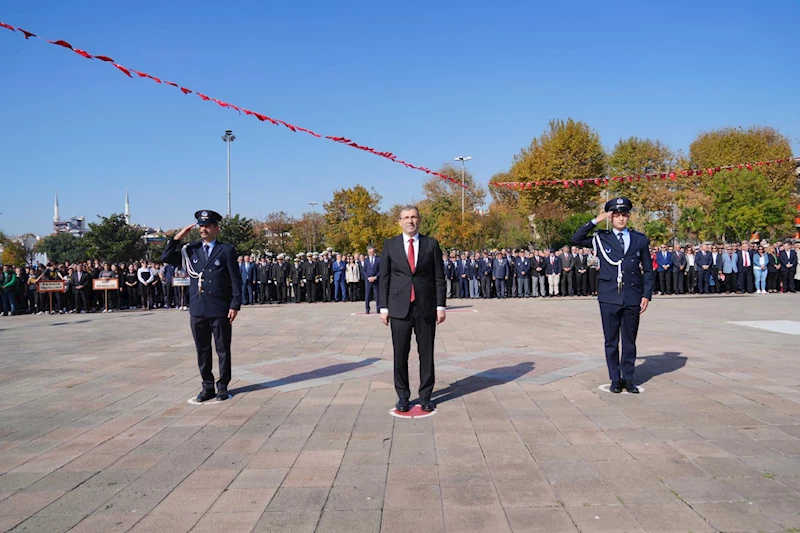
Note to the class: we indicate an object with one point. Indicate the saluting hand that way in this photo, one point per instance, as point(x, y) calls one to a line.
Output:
point(182, 233)
point(603, 216)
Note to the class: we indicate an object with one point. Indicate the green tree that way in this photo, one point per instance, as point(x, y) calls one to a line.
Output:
point(692, 224)
point(657, 231)
point(568, 150)
point(240, 232)
point(504, 227)
point(278, 229)
point(62, 246)
point(503, 195)
point(354, 220)
point(13, 251)
point(740, 201)
point(307, 233)
point(112, 239)
point(653, 199)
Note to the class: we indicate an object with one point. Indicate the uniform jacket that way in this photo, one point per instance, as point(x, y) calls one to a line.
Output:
point(396, 278)
point(523, 267)
point(554, 267)
point(450, 269)
point(486, 267)
point(500, 268)
point(637, 269)
point(222, 280)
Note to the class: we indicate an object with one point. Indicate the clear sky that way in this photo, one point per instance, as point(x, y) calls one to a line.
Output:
point(426, 80)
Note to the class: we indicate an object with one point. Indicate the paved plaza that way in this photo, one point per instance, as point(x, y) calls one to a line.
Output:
point(96, 434)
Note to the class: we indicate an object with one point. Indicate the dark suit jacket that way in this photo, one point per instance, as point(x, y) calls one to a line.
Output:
point(396, 278)
point(788, 258)
point(637, 267)
point(555, 268)
point(371, 270)
point(740, 259)
point(82, 278)
point(222, 280)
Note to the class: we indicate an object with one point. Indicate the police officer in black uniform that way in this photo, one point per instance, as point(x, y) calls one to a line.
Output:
point(624, 286)
point(215, 297)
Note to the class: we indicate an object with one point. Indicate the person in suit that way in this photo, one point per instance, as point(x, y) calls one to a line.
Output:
point(81, 288)
point(678, 270)
point(248, 274)
point(567, 272)
point(500, 274)
point(664, 260)
point(552, 269)
point(625, 287)
point(581, 267)
point(538, 278)
point(324, 275)
point(716, 268)
point(412, 298)
point(473, 276)
point(729, 268)
point(372, 272)
point(788, 259)
point(486, 276)
point(462, 272)
point(215, 297)
point(703, 265)
point(339, 269)
point(523, 270)
point(745, 267)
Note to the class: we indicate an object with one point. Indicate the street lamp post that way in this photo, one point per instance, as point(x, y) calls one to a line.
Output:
point(313, 226)
point(229, 137)
point(463, 171)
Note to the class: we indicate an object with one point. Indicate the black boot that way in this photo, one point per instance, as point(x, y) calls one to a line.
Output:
point(207, 394)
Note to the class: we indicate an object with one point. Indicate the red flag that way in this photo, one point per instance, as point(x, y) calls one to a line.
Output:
point(83, 53)
point(220, 102)
point(154, 78)
point(171, 83)
point(105, 58)
point(710, 171)
point(9, 26)
point(28, 34)
point(185, 90)
point(580, 182)
point(749, 166)
point(673, 176)
point(141, 74)
point(124, 70)
point(65, 44)
point(288, 125)
point(204, 97)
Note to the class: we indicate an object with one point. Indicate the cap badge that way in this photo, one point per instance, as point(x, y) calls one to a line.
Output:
point(619, 201)
point(204, 214)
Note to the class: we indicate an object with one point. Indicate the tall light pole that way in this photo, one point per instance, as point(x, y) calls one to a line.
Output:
point(463, 171)
point(313, 226)
point(229, 137)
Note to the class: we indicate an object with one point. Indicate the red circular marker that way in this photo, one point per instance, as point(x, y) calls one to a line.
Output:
point(415, 412)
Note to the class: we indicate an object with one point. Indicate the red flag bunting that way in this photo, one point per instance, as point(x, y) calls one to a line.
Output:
point(171, 83)
point(27, 34)
point(7, 26)
point(185, 90)
point(124, 70)
point(85, 54)
point(105, 58)
point(201, 95)
point(65, 44)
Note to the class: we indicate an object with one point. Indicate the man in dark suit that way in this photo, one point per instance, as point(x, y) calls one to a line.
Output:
point(664, 261)
point(372, 270)
point(678, 270)
point(248, 273)
point(747, 282)
point(500, 274)
point(567, 272)
point(412, 295)
point(215, 297)
point(486, 276)
point(581, 267)
point(788, 259)
point(703, 266)
point(523, 271)
point(625, 287)
point(462, 272)
point(82, 287)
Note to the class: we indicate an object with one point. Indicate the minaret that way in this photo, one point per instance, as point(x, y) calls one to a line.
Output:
point(56, 217)
point(127, 209)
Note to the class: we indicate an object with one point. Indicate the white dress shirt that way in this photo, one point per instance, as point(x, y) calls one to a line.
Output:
point(415, 241)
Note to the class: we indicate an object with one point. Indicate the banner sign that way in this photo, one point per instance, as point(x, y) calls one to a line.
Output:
point(105, 284)
point(50, 286)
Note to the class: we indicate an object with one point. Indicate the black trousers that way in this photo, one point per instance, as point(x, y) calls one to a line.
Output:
point(202, 331)
point(326, 290)
point(81, 300)
point(677, 281)
point(424, 328)
point(620, 323)
point(747, 281)
point(371, 290)
point(731, 282)
point(787, 278)
point(665, 281)
point(691, 280)
point(298, 292)
point(592, 280)
point(703, 277)
point(463, 287)
point(566, 283)
point(280, 287)
point(580, 283)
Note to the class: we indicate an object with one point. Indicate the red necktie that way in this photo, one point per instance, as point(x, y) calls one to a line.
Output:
point(412, 264)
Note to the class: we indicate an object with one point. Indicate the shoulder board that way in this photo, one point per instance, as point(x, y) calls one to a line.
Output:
point(637, 232)
point(603, 231)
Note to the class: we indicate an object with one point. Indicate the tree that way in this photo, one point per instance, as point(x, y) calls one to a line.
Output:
point(738, 202)
point(354, 221)
point(240, 232)
point(278, 230)
point(657, 231)
point(692, 224)
point(62, 246)
point(568, 150)
point(441, 209)
point(13, 251)
point(112, 239)
point(653, 199)
point(503, 196)
point(504, 227)
point(307, 232)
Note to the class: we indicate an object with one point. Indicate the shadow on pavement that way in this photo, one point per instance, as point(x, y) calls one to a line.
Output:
point(482, 381)
point(306, 376)
point(655, 365)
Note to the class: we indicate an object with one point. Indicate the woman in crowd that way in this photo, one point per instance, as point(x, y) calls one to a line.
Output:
point(761, 262)
point(353, 277)
point(691, 270)
point(773, 270)
point(131, 282)
point(181, 293)
point(109, 273)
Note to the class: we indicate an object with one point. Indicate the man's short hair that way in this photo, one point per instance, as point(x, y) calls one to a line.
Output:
point(410, 207)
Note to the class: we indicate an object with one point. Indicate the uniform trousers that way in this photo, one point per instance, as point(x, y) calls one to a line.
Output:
point(463, 287)
point(500, 288)
point(620, 323)
point(202, 330)
point(486, 286)
point(474, 288)
point(523, 286)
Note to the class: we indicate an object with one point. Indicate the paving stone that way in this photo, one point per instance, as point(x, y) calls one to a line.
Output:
point(604, 519)
point(349, 522)
point(701, 490)
point(228, 522)
point(405, 520)
point(674, 517)
point(299, 499)
point(483, 520)
point(106, 524)
point(539, 520)
point(736, 517)
point(287, 522)
point(166, 523)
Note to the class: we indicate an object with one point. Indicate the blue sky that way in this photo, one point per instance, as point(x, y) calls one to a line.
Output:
point(425, 80)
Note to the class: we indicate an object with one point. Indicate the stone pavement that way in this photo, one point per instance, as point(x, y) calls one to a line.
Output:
point(96, 433)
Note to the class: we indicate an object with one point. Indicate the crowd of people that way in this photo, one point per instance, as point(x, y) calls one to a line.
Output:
point(758, 268)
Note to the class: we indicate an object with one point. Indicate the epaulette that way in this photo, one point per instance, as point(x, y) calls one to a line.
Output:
point(602, 231)
point(637, 232)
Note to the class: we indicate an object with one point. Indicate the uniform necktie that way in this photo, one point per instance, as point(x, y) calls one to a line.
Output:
point(206, 249)
point(622, 242)
point(412, 264)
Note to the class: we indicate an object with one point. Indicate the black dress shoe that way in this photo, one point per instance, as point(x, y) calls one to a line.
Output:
point(402, 406)
point(616, 387)
point(427, 406)
point(222, 394)
point(207, 394)
point(631, 388)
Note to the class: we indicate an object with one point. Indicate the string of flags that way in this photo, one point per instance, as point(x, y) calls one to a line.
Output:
point(260, 116)
point(673, 175)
